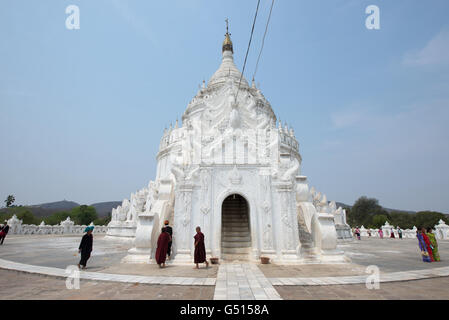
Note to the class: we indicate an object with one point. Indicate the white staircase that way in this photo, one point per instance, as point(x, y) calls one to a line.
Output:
point(235, 235)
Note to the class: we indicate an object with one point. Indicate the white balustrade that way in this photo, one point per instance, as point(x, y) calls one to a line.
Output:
point(64, 227)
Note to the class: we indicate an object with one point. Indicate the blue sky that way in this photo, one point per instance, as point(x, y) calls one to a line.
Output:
point(82, 111)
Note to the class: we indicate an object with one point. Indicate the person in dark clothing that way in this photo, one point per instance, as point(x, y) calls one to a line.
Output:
point(4, 231)
point(162, 246)
point(169, 230)
point(85, 247)
point(200, 249)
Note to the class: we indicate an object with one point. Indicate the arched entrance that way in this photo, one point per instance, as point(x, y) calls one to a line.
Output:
point(235, 228)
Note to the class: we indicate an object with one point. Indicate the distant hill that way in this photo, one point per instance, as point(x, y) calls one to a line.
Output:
point(57, 206)
point(104, 208)
point(341, 204)
point(47, 209)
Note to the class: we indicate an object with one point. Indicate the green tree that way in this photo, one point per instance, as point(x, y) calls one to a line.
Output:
point(27, 217)
point(5, 216)
point(10, 200)
point(379, 220)
point(84, 215)
point(429, 218)
point(56, 218)
point(364, 209)
point(402, 219)
point(102, 221)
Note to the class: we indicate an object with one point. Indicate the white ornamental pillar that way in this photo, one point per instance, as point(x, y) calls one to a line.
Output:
point(182, 224)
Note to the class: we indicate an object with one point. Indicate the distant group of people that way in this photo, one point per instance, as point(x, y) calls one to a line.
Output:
point(164, 243)
point(357, 234)
point(428, 245)
point(426, 239)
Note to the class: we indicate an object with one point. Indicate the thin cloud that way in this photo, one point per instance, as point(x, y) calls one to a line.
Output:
point(436, 52)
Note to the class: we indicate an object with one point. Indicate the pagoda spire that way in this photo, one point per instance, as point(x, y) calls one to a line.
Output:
point(227, 43)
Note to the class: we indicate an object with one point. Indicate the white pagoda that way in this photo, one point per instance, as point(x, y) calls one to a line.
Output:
point(231, 170)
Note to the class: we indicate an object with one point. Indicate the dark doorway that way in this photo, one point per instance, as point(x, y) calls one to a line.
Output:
point(235, 228)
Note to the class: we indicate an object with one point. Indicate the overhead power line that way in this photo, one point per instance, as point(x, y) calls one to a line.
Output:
point(263, 40)
point(247, 50)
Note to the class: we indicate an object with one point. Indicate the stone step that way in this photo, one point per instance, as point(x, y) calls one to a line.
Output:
point(236, 250)
point(234, 217)
point(241, 222)
point(236, 228)
point(236, 244)
point(232, 212)
point(234, 234)
point(235, 224)
point(235, 238)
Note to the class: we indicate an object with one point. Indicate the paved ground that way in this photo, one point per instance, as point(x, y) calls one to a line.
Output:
point(168, 271)
point(24, 286)
point(61, 251)
point(243, 281)
point(433, 289)
point(397, 259)
point(311, 270)
point(390, 255)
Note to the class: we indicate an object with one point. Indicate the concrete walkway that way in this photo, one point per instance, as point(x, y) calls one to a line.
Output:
point(397, 260)
point(233, 279)
point(385, 277)
point(243, 281)
point(98, 276)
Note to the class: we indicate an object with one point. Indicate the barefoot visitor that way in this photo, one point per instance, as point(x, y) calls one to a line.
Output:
point(86, 246)
point(169, 230)
point(200, 249)
point(162, 247)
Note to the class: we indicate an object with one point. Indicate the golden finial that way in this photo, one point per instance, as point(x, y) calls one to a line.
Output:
point(227, 43)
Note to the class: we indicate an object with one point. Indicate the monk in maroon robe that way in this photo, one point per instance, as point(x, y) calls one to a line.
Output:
point(162, 247)
point(200, 249)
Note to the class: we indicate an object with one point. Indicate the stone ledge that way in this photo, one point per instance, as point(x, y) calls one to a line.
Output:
point(386, 277)
point(280, 281)
point(97, 276)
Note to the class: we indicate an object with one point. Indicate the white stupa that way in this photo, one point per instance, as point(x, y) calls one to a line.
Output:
point(231, 170)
